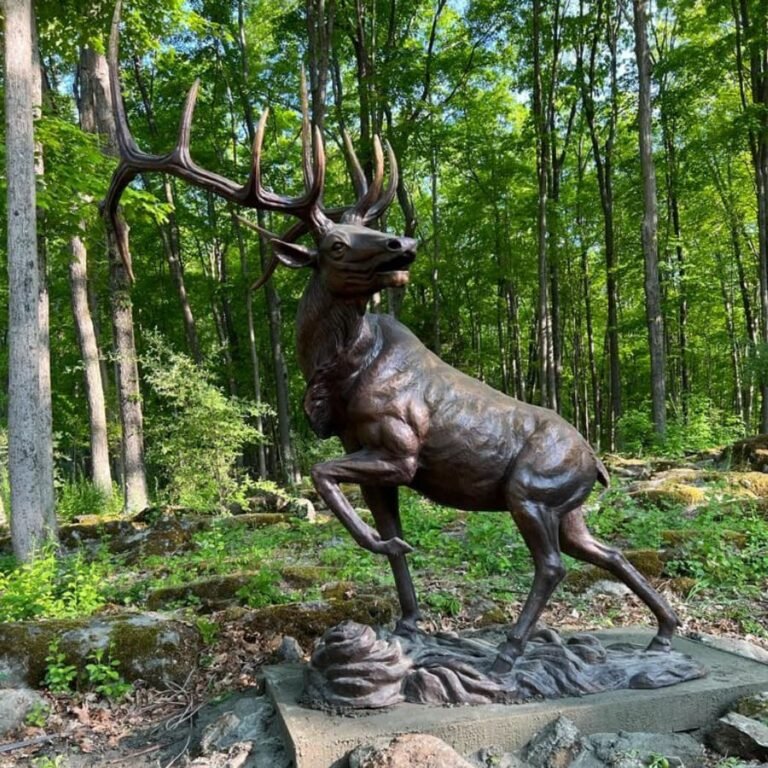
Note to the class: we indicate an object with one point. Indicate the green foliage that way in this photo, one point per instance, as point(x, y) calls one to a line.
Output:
point(59, 676)
point(52, 587)
point(81, 497)
point(703, 426)
point(447, 603)
point(103, 676)
point(195, 440)
point(37, 717)
point(264, 589)
point(209, 630)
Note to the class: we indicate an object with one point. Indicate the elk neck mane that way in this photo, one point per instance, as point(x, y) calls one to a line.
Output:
point(336, 341)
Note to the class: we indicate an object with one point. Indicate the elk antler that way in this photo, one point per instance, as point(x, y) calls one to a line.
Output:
point(178, 162)
point(371, 203)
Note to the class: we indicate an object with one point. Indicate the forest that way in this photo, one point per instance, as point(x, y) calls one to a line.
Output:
point(592, 234)
point(587, 186)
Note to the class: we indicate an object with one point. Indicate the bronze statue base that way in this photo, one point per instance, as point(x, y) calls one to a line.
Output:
point(356, 667)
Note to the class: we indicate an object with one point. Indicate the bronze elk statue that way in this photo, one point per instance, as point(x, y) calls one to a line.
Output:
point(405, 417)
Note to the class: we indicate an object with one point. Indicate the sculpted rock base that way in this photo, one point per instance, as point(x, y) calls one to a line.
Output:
point(357, 667)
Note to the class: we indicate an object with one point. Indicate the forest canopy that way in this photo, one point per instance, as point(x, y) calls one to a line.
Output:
point(515, 126)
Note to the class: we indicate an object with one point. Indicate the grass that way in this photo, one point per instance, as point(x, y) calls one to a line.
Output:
point(460, 560)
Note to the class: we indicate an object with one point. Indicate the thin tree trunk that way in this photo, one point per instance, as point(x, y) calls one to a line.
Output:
point(97, 116)
point(547, 372)
point(170, 232)
point(128, 391)
point(30, 470)
point(290, 469)
point(653, 310)
point(89, 353)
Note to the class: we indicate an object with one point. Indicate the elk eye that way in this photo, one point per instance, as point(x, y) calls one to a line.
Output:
point(338, 248)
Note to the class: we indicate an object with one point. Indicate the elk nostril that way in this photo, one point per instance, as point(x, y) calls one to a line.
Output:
point(394, 245)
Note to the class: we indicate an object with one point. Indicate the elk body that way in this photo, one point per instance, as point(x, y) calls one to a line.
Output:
point(405, 417)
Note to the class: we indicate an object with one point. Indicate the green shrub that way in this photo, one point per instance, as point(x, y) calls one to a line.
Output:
point(81, 497)
point(703, 426)
point(197, 435)
point(53, 588)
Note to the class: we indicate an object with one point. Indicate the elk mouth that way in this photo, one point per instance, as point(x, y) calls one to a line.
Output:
point(399, 263)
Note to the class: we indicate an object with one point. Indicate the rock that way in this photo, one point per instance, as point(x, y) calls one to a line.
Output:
point(733, 645)
point(148, 647)
point(255, 520)
point(622, 466)
point(555, 746)
point(635, 750)
point(754, 706)
point(302, 576)
point(672, 493)
point(290, 651)
point(408, 751)
point(209, 594)
point(750, 454)
point(301, 508)
point(737, 736)
point(15, 705)
point(609, 588)
point(496, 757)
point(308, 621)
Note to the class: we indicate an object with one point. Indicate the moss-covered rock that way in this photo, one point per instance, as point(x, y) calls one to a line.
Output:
point(682, 585)
point(754, 706)
point(339, 590)
point(303, 576)
point(748, 454)
point(308, 621)
point(147, 647)
point(255, 520)
point(669, 493)
point(209, 594)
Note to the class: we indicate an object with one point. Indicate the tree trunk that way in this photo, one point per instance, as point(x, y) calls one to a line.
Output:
point(127, 369)
point(30, 469)
point(170, 233)
point(547, 371)
point(98, 117)
point(290, 469)
point(653, 310)
point(89, 352)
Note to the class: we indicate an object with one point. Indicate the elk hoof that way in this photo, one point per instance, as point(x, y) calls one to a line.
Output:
point(503, 664)
point(660, 644)
point(408, 627)
point(509, 653)
point(394, 546)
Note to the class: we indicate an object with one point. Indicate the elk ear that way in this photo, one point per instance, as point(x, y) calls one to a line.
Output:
point(293, 255)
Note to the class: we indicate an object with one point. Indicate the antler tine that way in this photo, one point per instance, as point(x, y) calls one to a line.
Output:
point(358, 177)
point(381, 205)
point(360, 211)
point(185, 125)
point(306, 133)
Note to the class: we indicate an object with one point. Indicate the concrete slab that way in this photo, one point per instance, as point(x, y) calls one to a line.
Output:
point(322, 740)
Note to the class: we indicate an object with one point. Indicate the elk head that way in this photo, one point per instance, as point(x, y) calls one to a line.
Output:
point(353, 260)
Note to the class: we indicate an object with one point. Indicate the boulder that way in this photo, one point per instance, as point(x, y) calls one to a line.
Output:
point(754, 706)
point(735, 735)
point(15, 705)
point(408, 751)
point(147, 646)
point(636, 750)
point(211, 594)
point(555, 746)
point(308, 621)
point(648, 561)
point(748, 454)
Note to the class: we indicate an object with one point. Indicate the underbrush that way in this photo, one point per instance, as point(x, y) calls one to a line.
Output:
point(459, 559)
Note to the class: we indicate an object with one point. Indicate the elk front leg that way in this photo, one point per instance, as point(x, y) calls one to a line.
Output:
point(364, 468)
point(384, 505)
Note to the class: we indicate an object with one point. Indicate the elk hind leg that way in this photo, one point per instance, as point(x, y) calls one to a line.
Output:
point(578, 542)
point(538, 524)
point(384, 506)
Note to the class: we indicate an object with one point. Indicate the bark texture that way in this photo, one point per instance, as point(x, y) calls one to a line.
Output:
point(30, 468)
